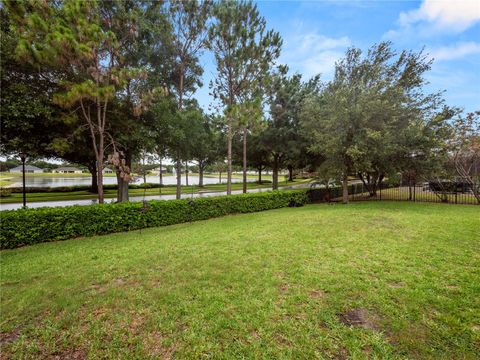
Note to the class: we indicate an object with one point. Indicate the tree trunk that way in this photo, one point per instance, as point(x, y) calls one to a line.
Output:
point(100, 178)
point(290, 173)
point(94, 186)
point(411, 183)
point(220, 177)
point(119, 186)
point(371, 189)
point(259, 175)
point(179, 179)
point(229, 158)
point(186, 173)
point(180, 107)
point(410, 192)
point(377, 184)
point(245, 160)
point(122, 189)
point(160, 173)
point(99, 148)
point(275, 173)
point(375, 181)
point(122, 186)
point(345, 189)
point(200, 174)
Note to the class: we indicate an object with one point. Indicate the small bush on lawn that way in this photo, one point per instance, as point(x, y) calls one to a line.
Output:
point(5, 192)
point(31, 226)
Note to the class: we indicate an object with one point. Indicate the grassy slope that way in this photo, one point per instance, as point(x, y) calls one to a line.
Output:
point(265, 285)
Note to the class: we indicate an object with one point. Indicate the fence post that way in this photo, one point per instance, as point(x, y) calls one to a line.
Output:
point(414, 192)
point(380, 190)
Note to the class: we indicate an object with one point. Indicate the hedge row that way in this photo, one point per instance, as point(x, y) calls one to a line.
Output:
point(325, 195)
point(31, 226)
point(322, 194)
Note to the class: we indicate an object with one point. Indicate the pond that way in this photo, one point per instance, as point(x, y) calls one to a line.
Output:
point(54, 181)
point(61, 203)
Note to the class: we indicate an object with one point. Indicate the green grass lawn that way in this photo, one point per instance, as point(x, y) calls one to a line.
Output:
point(383, 280)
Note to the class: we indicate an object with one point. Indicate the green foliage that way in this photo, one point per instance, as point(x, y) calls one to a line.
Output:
point(374, 118)
point(100, 47)
point(244, 50)
point(465, 150)
point(282, 138)
point(5, 192)
point(326, 194)
point(31, 226)
point(189, 21)
point(30, 121)
point(9, 163)
point(206, 142)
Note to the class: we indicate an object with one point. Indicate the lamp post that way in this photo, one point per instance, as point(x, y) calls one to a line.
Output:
point(23, 157)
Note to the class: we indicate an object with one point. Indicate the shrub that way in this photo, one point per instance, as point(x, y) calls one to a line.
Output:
point(31, 226)
point(5, 192)
point(324, 195)
point(144, 186)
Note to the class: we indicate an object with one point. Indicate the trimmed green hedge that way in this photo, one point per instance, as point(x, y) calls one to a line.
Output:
point(31, 226)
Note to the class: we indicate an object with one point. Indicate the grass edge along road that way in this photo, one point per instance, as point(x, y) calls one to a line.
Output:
point(368, 280)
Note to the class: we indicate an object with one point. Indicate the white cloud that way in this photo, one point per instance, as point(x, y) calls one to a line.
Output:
point(436, 16)
point(457, 51)
point(444, 14)
point(312, 53)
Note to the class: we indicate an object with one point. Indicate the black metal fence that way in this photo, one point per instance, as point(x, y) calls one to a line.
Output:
point(451, 192)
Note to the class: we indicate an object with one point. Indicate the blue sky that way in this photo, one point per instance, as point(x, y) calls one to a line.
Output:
point(317, 33)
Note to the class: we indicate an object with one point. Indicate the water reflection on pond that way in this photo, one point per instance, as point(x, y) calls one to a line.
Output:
point(44, 181)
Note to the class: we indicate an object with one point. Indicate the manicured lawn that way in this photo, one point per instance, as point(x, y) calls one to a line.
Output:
point(367, 280)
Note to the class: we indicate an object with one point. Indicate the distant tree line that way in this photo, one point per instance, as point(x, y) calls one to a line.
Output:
point(113, 83)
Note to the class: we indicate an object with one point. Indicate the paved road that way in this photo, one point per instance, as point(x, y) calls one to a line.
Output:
point(38, 204)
